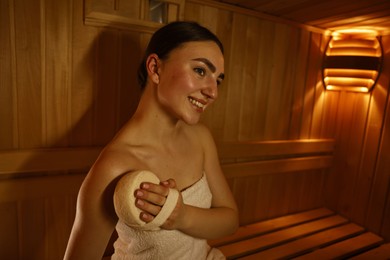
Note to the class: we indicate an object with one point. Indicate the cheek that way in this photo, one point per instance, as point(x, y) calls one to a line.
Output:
point(182, 82)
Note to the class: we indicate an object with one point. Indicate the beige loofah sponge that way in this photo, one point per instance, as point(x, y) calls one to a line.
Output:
point(124, 201)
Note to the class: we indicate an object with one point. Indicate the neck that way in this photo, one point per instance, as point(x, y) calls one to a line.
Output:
point(154, 120)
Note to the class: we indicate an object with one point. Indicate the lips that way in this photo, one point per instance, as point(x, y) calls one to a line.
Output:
point(197, 103)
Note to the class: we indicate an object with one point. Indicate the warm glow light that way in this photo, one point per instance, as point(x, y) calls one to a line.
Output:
point(347, 81)
point(352, 60)
point(354, 51)
point(355, 31)
point(351, 88)
point(368, 74)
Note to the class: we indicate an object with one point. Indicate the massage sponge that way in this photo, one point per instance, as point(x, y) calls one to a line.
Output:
point(124, 201)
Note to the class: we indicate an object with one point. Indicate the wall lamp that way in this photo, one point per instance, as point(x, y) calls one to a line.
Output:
point(352, 61)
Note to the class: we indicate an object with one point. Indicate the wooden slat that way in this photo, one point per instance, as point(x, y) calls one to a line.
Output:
point(382, 252)
point(83, 157)
point(276, 166)
point(39, 187)
point(275, 148)
point(345, 248)
point(259, 243)
point(252, 230)
point(308, 243)
point(47, 159)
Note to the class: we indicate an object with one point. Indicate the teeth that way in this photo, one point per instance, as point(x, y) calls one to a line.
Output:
point(196, 103)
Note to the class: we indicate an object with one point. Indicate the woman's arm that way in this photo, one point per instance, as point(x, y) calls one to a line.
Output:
point(95, 216)
point(222, 218)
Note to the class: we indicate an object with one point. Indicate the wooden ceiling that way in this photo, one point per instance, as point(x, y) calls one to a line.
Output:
point(325, 14)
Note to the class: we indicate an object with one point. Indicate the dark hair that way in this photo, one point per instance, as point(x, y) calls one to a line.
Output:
point(172, 36)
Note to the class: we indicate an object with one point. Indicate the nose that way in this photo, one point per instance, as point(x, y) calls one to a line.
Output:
point(211, 90)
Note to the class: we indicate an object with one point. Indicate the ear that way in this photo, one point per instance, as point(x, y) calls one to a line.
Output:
point(152, 67)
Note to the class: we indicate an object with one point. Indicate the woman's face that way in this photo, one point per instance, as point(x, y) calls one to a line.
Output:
point(189, 79)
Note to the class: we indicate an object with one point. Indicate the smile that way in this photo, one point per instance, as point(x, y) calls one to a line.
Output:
point(196, 103)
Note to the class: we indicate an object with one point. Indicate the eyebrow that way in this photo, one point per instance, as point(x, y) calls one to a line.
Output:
point(210, 65)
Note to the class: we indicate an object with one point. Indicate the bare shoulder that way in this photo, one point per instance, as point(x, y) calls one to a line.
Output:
point(99, 184)
point(201, 133)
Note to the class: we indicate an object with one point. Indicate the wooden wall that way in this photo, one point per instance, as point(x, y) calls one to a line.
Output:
point(359, 184)
point(67, 87)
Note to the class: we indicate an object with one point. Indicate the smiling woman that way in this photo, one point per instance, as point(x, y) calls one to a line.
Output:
point(180, 74)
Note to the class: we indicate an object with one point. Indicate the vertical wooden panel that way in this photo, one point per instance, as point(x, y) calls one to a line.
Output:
point(265, 61)
point(58, 211)
point(299, 85)
point(6, 94)
point(312, 71)
point(339, 182)
point(57, 76)
point(248, 84)
point(28, 71)
point(319, 96)
point(278, 92)
point(330, 110)
point(106, 117)
point(235, 70)
point(32, 229)
point(129, 91)
point(9, 236)
point(378, 219)
point(83, 81)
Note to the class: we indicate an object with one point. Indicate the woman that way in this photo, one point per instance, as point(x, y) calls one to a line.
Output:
point(180, 74)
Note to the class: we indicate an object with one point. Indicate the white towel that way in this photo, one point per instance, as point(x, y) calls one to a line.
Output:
point(167, 244)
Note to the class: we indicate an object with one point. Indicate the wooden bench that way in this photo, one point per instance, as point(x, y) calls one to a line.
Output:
point(314, 234)
point(275, 178)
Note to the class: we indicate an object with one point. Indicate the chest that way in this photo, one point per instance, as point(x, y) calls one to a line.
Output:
point(184, 163)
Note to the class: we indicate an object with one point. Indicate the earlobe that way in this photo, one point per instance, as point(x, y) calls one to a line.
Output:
point(152, 66)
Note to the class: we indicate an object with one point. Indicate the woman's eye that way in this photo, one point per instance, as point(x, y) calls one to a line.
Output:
point(200, 71)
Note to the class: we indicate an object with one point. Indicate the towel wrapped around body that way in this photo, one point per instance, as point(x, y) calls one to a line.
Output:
point(167, 244)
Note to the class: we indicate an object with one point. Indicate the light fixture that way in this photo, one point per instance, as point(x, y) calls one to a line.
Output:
point(352, 61)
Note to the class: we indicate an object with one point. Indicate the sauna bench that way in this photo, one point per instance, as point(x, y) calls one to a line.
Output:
point(314, 234)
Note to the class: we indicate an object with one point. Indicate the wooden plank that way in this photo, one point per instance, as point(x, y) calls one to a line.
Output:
point(55, 73)
point(9, 236)
point(48, 159)
point(29, 71)
point(252, 230)
point(345, 248)
point(7, 111)
point(382, 252)
point(275, 148)
point(276, 166)
point(259, 243)
point(309, 243)
point(82, 83)
point(31, 230)
point(261, 15)
point(39, 187)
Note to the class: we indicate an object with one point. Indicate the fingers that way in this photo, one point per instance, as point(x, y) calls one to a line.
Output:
point(171, 183)
point(150, 199)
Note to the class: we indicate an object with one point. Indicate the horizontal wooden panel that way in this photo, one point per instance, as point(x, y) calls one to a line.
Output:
point(252, 245)
point(346, 248)
point(36, 160)
point(275, 148)
point(40, 187)
point(309, 243)
point(237, 170)
point(81, 158)
point(256, 229)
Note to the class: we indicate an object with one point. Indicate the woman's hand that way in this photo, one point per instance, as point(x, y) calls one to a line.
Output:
point(152, 197)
